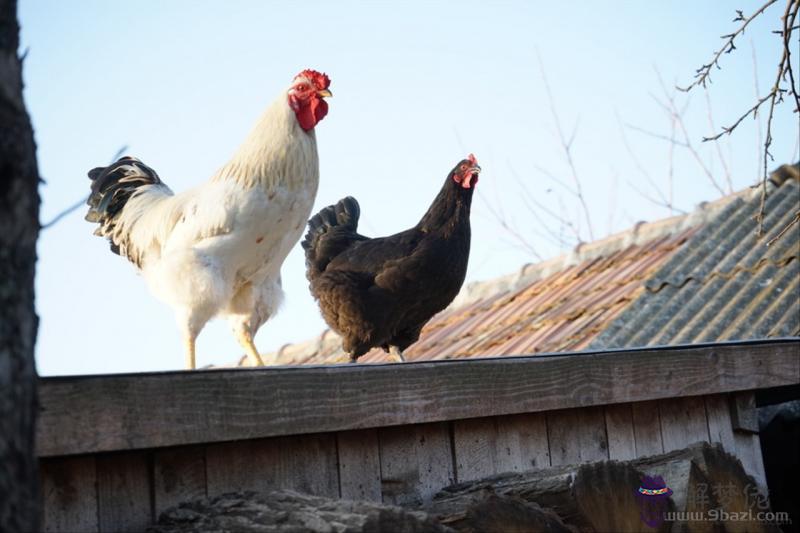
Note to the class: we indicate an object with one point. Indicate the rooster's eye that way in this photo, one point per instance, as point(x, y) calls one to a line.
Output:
point(301, 87)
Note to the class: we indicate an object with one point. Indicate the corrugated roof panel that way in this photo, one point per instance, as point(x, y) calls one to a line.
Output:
point(724, 283)
point(758, 284)
point(681, 263)
point(787, 302)
point(789, 324)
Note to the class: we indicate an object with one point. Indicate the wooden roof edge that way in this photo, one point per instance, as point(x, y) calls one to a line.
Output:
point(103, 413)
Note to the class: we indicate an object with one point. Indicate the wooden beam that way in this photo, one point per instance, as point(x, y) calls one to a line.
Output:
point(87, 414)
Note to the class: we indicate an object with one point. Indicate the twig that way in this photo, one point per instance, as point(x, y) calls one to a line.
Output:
point(567, 146)
point(784, 230)
point(788, 28)
point(528, 199)
point(671, 158)
point(726, 130)
point(65, 212)
point(555, 179)
point(612, 200)
point(759, 132)
point(776, 94)
point(80, 202)
point(671, 139)
point(710, 115)
point(510, 230)
point(659, 203)
point(664, 200)
point(673, 111)
point(702, 74)
point(565, 222)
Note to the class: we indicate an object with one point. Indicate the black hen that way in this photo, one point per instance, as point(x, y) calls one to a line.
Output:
point(381, 292)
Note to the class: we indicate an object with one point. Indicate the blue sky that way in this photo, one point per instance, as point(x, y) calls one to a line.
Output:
point(417, 86)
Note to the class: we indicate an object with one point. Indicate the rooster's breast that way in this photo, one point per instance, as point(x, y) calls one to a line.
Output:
point(267, 225)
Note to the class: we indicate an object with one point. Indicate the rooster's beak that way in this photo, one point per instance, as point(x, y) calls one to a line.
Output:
point(324, 93)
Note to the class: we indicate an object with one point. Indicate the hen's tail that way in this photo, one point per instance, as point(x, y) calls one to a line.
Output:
point(112, 187)
point(330, 232)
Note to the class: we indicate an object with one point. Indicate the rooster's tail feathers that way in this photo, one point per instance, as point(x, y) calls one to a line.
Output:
point(331, 230)
point(112, 188)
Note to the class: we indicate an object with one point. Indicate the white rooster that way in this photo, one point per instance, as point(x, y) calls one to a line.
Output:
point(217, 249)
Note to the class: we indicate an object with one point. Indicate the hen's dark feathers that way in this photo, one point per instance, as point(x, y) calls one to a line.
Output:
point(331, 231)
point(381, 292)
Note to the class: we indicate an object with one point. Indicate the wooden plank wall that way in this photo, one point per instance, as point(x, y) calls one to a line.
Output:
point(127, 491)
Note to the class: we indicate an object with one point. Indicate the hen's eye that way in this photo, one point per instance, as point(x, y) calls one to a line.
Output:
point(301, 87)
point(464, 167)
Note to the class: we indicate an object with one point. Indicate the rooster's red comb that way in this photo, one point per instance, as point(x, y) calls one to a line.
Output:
point(320, 81)
point(472, 160)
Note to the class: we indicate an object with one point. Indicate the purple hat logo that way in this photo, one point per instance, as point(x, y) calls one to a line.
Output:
point(653, 498)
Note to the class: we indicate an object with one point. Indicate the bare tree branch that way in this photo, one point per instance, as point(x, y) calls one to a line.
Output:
point(722, 161)
point(511, 230)
point(664, 201)
point(612, 198)
point(530, 201)
point(555, 179)
point(80, 202)
point(702, 74)
point(774, 96)
point(566, 145)
point(788, 27)
point(671, 160)
point(726, 130)
point(791, 223)
point(674, 113)
point(670, 139)
point(759, 133)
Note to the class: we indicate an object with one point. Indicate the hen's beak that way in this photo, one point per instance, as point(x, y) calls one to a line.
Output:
point(324, 93)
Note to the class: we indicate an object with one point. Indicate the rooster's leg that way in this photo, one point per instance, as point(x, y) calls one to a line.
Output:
point(396, 354)
point(245, 338)
point(189, 352)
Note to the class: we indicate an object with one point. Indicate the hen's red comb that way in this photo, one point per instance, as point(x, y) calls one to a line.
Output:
point(320, 81)
point(472, 160)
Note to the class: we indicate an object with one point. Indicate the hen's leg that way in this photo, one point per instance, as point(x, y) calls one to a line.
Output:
point(396, 354)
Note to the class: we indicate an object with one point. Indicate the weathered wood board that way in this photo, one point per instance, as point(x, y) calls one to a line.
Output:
point(683, 422)
point(123, 491)
point(619, 428)
point(179, 475)
point(359, 465)
point(69, 494)
point(416, 462)
point(252, 403)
